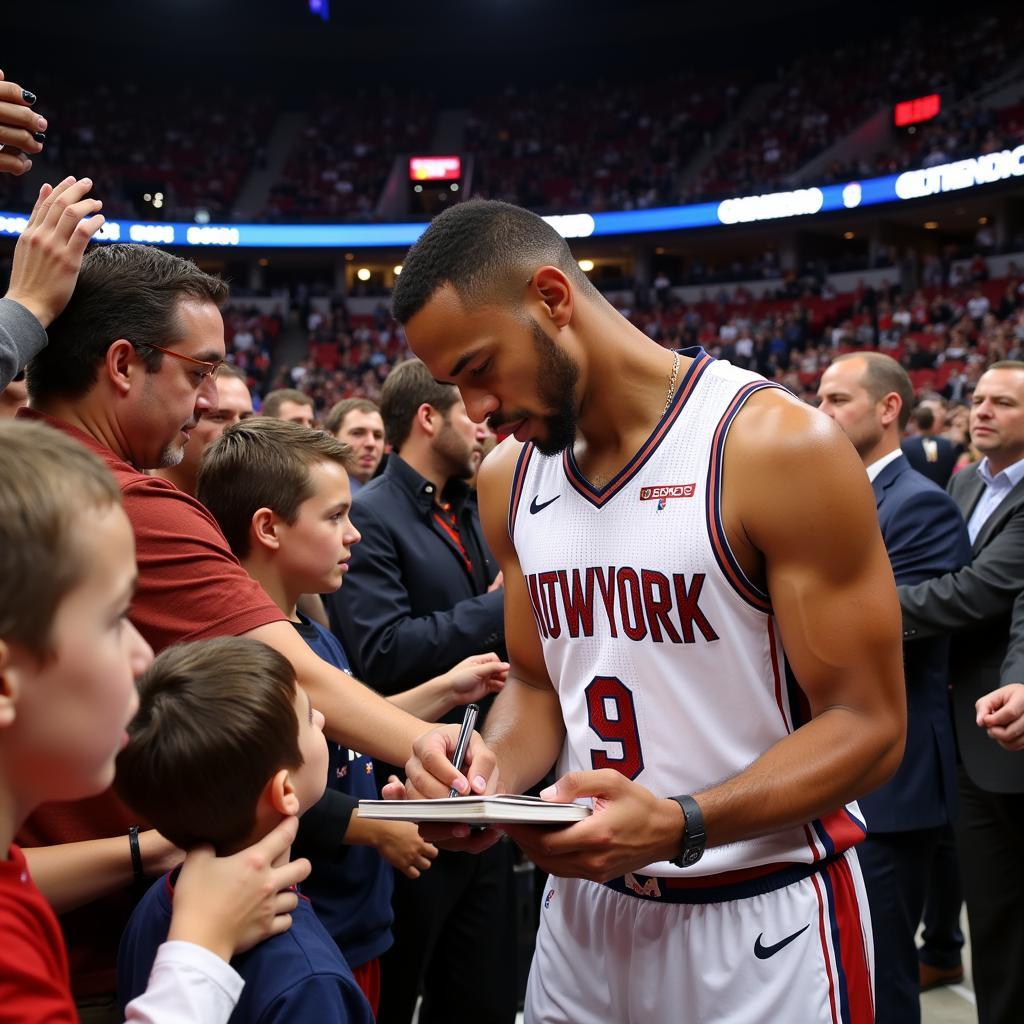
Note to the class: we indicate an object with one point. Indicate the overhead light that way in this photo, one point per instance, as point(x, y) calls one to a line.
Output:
point(363, 273)
point(848, 235)
point(455, 186)
point(983, 220)
point(586, 266)
point(930, 225)
point(398, 269)
point(417, 188)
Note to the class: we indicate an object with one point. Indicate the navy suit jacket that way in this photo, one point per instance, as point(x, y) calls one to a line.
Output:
point(409, 609)
point(925, 537)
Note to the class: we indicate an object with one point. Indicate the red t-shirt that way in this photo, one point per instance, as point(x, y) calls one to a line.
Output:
point(33, 964)
point(191, 587)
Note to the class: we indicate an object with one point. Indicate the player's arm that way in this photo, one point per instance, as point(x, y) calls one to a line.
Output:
point(524, 726)
point(804, 502)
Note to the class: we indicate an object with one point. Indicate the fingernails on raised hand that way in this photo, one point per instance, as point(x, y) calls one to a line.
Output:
point(28, 97)
point(42, 123)
point(39, 136)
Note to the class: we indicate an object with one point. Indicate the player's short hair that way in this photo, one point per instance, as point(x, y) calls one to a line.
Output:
point(882, 376)
point(123, 291)
point(50, 487)
point(262, 463)
point(273, 401)
point(408, 386)
point(336, 417)
point(216, 720)
point(487, 251)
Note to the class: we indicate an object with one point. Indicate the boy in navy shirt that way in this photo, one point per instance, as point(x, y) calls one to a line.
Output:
point(280, 492)
point(225, 743)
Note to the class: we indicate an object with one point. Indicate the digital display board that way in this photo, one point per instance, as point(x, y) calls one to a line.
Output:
point(435, 168)
point(924, 108)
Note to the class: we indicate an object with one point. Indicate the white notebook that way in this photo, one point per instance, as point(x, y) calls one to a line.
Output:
point(501, 808)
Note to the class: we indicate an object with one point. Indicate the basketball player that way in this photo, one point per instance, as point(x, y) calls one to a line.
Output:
point(667, 524)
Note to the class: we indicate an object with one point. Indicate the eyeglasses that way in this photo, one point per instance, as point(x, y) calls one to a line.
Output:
point(208, 368)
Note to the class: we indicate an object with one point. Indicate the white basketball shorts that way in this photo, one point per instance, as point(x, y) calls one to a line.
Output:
point(768, 951)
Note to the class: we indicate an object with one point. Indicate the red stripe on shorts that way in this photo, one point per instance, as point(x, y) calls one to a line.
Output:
point(851, 941)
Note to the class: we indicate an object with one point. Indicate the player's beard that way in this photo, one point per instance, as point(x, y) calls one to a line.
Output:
point(557, 377)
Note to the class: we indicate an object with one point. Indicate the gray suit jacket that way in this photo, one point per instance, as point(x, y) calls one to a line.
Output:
point(975, 606)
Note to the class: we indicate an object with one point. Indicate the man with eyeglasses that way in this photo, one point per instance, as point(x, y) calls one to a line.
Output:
point(129, 372)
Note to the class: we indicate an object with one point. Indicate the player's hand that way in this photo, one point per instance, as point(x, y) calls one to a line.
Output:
point(430, 773)
point(20, 128)
point(402, 846)
point(1001, 714)
point(229, 904)
point(475, 677)
point(49, 252)
point(630, 827)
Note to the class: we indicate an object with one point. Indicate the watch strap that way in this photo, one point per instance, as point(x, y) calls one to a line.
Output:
point(694, 836)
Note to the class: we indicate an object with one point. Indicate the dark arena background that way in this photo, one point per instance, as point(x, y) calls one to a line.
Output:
point(780, 183)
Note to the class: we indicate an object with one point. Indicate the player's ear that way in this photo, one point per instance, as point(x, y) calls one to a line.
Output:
point(555, 292)
point(281, 793)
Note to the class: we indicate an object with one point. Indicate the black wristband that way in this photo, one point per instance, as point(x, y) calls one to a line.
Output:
point(694, 836)
point(133, 843)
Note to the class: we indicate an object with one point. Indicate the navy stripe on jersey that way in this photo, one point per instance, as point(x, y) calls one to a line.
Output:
point(518, 479)
point(600, 496)
point(730, 567)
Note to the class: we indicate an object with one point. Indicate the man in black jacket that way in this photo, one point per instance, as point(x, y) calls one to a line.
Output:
point(420, 595)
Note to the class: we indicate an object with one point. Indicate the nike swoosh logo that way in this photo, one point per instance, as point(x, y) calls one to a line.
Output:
point(535, 508)
point(763, 952)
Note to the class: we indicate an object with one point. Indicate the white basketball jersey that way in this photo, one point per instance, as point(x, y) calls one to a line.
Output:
point(665, 656)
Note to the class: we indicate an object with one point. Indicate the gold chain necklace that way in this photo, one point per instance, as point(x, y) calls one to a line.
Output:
point(671, 382)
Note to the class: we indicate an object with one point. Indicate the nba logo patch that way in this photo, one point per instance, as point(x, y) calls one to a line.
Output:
point(548, 898)
point(662, 492)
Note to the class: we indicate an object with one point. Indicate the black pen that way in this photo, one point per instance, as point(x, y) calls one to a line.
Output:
point(468, 722)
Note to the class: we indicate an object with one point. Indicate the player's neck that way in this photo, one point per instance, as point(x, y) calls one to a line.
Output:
point(628, 378)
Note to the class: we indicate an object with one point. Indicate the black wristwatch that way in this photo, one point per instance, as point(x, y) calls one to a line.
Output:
point(694, 836)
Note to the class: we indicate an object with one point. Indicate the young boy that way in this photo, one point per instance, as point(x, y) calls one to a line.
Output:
point(225, 743)
point(68, 658)
point(280, 493)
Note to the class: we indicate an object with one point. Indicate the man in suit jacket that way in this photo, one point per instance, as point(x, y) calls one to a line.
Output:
point(976, 605)
point(928, 451)
point(421, 595)
point(869, 395)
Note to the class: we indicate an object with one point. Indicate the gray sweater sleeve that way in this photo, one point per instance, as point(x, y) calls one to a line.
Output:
point(21, 338)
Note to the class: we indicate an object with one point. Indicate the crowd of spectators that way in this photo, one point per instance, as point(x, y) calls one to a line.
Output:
point(341, 161)
point(190, 149)
point(553, 148)
point(945, 334)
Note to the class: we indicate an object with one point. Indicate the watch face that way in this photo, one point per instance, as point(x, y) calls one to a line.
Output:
point(692, 856)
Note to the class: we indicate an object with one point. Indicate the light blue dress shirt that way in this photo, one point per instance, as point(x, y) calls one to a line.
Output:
point(996, 489)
